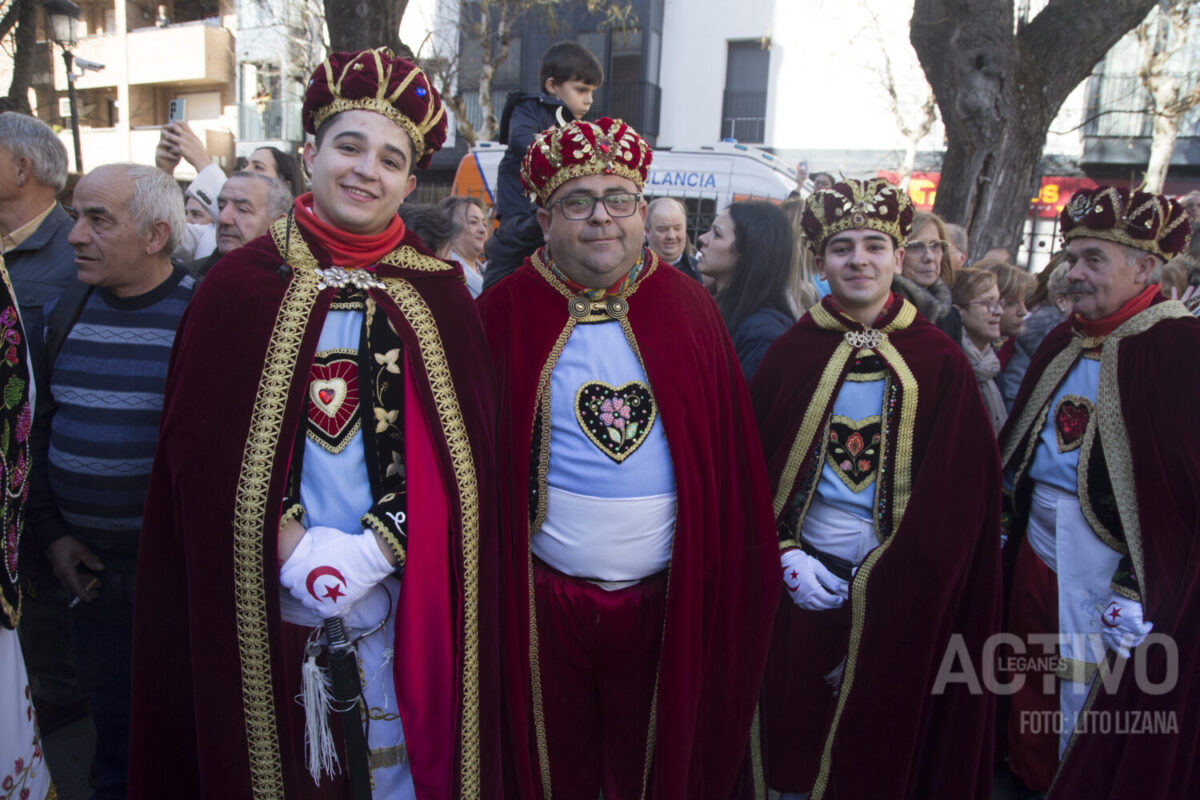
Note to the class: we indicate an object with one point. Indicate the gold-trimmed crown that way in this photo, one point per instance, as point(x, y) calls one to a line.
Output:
point(376, 80)
point(851, 204)
point(1151, 222)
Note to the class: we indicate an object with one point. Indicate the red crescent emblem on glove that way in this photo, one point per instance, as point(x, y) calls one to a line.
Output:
point(330, 592)
point(793, 575)
point(1113, 611)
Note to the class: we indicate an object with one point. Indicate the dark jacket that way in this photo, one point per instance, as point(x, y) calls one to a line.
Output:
point(41, 266)
point(687, 265)
point(524, 117)
point(755, 334)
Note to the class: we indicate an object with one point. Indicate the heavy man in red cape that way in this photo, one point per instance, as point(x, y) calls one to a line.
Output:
point(643, 574)
point(324, 452)
point(1104, 463)
point(887, 497)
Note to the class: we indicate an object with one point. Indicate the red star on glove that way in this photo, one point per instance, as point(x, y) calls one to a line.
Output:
point(333, 592)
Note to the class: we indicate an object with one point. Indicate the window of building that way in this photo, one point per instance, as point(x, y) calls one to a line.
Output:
point(744, 114)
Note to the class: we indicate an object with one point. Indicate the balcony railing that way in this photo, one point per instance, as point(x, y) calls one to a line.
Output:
point(745, 116)
point(1119, 107)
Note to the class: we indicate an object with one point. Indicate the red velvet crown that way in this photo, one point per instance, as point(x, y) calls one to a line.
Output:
point(376, 80)
point(1151, 222)
point(604, 147)
point(853, 204)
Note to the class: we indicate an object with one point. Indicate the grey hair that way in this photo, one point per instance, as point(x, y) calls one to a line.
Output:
point(156, 198)
point(1132, 254)
point(659, 202)
point(1056, 285)
point(279, 194)
point(29, 137)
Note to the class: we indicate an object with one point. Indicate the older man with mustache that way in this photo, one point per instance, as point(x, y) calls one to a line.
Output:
point(1105, 517)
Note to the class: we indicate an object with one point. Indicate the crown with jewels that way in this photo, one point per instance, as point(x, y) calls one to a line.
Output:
point(851, 204)
point(604, 147)
point(1151, 222)
point(376, 80)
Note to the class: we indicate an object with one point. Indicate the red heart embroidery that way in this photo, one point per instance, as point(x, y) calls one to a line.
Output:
point(326, 396)
point(603, 147)
point(1071, 420)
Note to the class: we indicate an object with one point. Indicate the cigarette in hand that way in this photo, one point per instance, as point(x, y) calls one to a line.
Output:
point(92, 583)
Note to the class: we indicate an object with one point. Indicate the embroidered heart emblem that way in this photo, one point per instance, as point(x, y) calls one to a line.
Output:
point(616, 419)
point(853, 450)
point(328, 395)
point(333, 417)
point(1071, 417)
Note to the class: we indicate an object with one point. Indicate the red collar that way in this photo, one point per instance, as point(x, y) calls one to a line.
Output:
point(348, 249)
point(1106, 325)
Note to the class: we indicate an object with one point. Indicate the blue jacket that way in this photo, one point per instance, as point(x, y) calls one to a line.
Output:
point(524, 117)
point(755, 334)
point(41, 266)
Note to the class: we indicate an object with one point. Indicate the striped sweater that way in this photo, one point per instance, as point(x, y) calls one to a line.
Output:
point(107, 384)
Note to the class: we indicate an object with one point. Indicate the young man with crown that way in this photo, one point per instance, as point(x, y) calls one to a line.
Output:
point(887, 501)
point(325, 452)
point(1105, 519)
point(642, 560)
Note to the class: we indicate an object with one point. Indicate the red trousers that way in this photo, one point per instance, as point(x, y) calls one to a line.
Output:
point(1033, 608)
point(598, 658)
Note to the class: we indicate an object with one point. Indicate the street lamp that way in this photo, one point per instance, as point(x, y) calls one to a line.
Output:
point(64, 17)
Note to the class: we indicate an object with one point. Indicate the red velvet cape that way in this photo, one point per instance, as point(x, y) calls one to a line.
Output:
point(724, 568)
point(208, 580)
point(937, 577)
point(1159, 392)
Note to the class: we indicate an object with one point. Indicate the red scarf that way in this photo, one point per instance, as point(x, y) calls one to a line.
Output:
point(348, 249)
point(1106, 325)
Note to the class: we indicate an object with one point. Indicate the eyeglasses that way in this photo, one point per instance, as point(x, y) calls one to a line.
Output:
point(937, 247)
point(582, 206)
point(993, 306)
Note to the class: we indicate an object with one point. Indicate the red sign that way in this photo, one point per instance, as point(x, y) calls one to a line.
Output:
point(1055, 192)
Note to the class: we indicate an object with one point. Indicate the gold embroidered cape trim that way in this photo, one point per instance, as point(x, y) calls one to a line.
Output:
point(454, 430)
point(1126, 592)
point(539, 264)
point(866, 377)
point(249, 525)
point(814, 415)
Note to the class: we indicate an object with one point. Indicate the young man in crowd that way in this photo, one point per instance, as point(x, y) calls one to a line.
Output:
point(1102, 463)
point(887, 499)
point(323, 455)
point(642, 553)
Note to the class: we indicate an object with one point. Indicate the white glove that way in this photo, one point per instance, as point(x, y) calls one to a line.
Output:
point(810, 584)
point(1123, 625)
point(330, 570)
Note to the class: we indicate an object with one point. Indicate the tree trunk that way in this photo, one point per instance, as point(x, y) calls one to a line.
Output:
point(363, 24)
point(1166, 131)
point(25, 52)
point(999, 91)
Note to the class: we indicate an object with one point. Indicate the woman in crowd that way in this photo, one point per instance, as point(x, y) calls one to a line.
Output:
point(977, 300)
point(1014, 284)
point(748, 253)
point(1048, 306)
point(807, 286)
point(275, 163)
point(927, 273)
point(470, 233)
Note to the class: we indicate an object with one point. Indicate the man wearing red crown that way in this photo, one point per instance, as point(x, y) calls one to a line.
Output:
point(887, 498)
point(325, 453)
point(643, 568)
point(1106, 521)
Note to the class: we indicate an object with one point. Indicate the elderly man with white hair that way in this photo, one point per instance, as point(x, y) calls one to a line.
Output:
point(97, 426)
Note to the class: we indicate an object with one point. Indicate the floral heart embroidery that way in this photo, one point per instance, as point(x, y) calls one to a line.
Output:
point(617, 419)
point(853, 450)
point(333, 417)
point(1071, 416)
